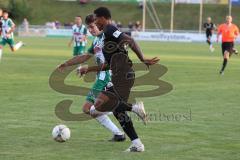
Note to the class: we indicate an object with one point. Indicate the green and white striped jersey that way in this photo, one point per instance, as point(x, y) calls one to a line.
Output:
point(97, 50)
point(6, 27)
point(78, 33)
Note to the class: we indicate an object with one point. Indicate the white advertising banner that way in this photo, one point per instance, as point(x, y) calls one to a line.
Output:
point(59, 32)
point(161, 36)
point(172, 37)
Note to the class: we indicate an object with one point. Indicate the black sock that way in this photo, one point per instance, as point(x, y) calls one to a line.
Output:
point(123, 106)
point(126, 124)
point(208, 42)
point(224, 64)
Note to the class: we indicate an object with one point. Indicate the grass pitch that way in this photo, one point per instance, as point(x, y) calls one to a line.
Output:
point(198, 119)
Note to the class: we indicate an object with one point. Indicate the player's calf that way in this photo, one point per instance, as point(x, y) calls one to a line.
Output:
point(225, 61)
point(104, 120)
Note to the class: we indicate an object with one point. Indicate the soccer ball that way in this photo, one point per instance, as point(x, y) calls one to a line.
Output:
point(61, 133)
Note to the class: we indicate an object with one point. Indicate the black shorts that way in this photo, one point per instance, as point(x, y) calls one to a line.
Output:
point(208, 34)
point(123, 77)
point(227, 46)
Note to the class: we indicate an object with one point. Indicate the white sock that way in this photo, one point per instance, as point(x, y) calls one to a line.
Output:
point(0, 54)
point(137, 142)
point(107, 123)
point(18, 45)
point(94, 112)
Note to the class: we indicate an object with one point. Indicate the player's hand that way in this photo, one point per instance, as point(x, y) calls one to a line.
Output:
point(61, 67)
point(9, 32)
point(82, 40)
point(149, 62)
point(8, 35)
point(81, 71)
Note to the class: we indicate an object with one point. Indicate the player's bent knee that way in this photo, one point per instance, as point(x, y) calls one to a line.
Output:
point(86, 107)
point(106, 102)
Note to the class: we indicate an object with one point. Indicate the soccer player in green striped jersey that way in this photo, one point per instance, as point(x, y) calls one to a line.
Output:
point(79, 37)
point(7, 30)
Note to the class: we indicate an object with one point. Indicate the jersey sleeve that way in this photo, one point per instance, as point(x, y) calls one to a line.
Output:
point(112, 32)
point(91, 49)
point(204, 25)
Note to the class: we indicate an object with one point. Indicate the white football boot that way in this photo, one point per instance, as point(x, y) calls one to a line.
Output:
point(138, 108)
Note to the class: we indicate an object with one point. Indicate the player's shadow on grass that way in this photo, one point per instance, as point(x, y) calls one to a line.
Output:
point(152, 78)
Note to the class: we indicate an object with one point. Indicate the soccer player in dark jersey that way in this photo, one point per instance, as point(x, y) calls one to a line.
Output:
point(209, 28)
point(229, 32)
point(116, 56)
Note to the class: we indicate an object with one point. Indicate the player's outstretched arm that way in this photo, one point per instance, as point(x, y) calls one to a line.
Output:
point(87, 69)
point(75, 60)
point(136, 49)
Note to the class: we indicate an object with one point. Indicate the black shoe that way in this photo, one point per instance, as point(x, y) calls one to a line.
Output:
point(118, 138)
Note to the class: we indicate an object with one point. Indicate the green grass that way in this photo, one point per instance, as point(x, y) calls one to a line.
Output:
point(27, 107)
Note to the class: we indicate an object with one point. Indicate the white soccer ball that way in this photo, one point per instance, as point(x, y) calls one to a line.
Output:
point(61, 133)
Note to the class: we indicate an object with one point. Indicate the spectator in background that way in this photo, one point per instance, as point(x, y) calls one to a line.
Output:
point(50, 25)
point(119, 25)
point(130, 26)
point(137, 26)
point(25, 25)
point(140, 4)
point(57, 24)
point(68, 25)
point(114, 23)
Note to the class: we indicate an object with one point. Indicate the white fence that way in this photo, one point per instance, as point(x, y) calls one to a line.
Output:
point(148, 35)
